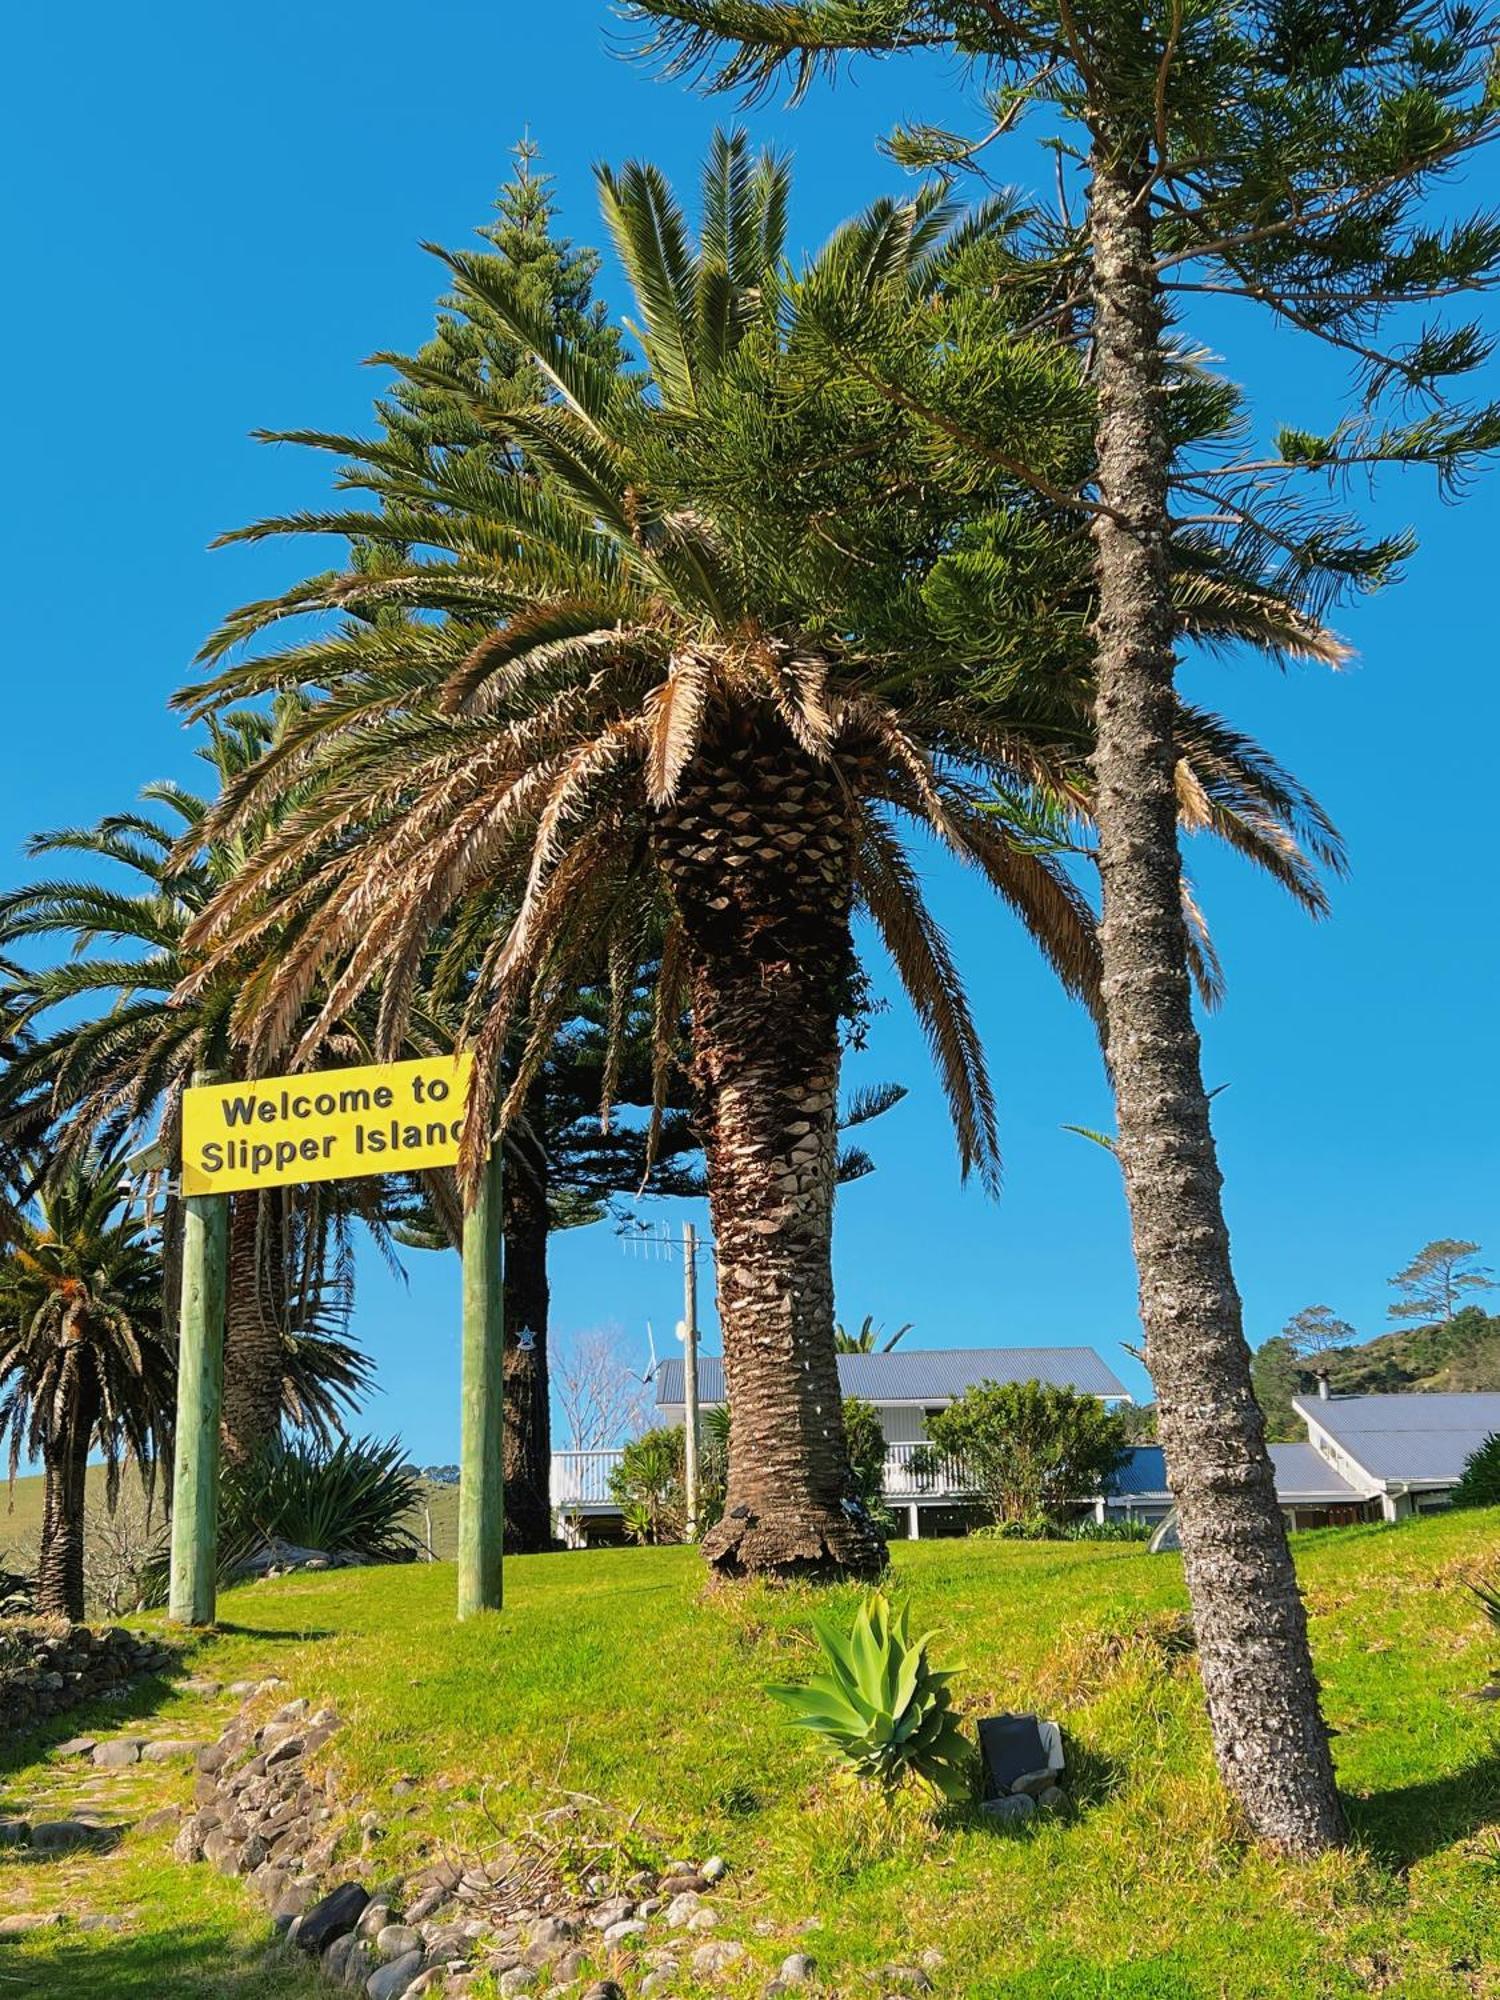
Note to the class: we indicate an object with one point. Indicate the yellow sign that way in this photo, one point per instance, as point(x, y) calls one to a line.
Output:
point(385, 1118)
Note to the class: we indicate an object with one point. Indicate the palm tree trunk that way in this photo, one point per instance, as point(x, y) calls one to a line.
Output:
point(528, 1419)
point(254, 1355)
point(1269, 1736)
point(757, 852)
point(59, 1581)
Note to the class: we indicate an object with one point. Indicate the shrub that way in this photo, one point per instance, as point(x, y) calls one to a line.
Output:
point(1030, 1449)
point(648, 1483)
point(1479, 1483)
point(347, 1498)
point(882, 1705)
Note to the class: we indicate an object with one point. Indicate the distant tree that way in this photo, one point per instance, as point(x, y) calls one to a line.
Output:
point(602, 1400)
point(1030, 1448)
point(1479, 1485)
point(1316, 1330)
point(868, 1339)
point(1276, 1376)
point(85, 1364)
point(1433, 1284)
point(1139, 1420)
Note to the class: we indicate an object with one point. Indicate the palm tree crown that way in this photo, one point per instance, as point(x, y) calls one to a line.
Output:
point(85, 1362)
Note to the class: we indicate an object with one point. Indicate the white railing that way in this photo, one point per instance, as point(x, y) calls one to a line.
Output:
point(581, 1478)
point(941, 1478)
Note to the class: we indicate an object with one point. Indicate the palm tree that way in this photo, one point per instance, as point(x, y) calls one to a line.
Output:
point(85, 1362)
point(129, 1060)
point(868, 1340)
point(681, 687)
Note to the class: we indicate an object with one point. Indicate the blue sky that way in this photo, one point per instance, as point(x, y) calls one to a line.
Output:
point(217, 214)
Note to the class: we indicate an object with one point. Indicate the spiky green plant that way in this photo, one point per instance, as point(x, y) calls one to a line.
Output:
point(882, 1704)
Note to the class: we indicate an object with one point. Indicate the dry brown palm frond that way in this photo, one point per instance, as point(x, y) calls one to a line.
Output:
point(799, 685)
point(674, 714)
point(1203, 959)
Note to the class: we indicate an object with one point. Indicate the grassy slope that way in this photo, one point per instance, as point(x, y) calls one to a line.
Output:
point(614, 1675)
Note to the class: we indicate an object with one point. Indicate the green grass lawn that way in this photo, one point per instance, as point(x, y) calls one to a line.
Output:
point(617, 1676)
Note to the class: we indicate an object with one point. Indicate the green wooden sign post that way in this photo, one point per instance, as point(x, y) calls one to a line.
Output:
point(200, 1392)
point(335, 1125)
point(481, 1472)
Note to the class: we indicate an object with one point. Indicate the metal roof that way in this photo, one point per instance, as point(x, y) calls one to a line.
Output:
point(1408, 1436)
point(927, 1375)
point(1302, 1475)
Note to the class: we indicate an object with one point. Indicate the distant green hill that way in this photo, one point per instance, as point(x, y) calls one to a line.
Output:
point(1460, 1353)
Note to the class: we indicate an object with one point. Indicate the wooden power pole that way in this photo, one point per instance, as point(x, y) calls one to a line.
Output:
point(200, 1392)
point(690, 1374)
point(481, 1483)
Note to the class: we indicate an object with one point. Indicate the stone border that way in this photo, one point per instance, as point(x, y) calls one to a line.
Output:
point(48, 1667)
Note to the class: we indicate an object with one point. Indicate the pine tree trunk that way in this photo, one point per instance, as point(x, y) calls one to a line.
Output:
point(254, 1354)
point(1269, 1737)
point(528, 1418)
point(59, 1581)
point(757, 853)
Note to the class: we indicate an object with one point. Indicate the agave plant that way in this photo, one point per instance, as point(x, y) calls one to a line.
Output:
point(882, 1704)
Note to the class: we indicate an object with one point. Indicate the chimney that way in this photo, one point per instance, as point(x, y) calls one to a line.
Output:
point(1322, 1381)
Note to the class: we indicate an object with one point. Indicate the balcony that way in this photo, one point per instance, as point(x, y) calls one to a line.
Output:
point(580, 1479)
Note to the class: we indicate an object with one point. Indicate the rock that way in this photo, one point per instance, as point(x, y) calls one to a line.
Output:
point(224, 1851)
point(572, 1965)
point(117, 1753)
point(21, 1922)
point(654, 1983)
point(628, 1927)
point(714, 1869)
point(703, 1920)
point(1052, 1798)
point(168, 1749)
point(429, 1900)
point(56, 1836)
point(188, 1846)
point(392, 1980)
point(1018, 1806)
point(912, 1977)
point(520, 1979)
point(284, 1752)
point(361, 1966)
point(373, 1919)
point(797, 1969)
point(269, 1883)
point(615, 1911)
point(709, 1960)
point(603, 1989)
point(675, 1916)
point(397, 1941)
point(14, 1832)
point(338, 1912)
point(557, 1931)
point(165, 1819)
point(207, 1688)
point(296, 1898)
point(336, 1958)
point(932, 1959)
point(1030, 1783)
point(76, 1746)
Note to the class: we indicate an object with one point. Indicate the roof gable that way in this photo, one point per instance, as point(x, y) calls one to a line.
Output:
point(1407, 1436)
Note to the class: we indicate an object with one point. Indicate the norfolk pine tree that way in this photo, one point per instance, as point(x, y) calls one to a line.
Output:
point(1291, 155)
